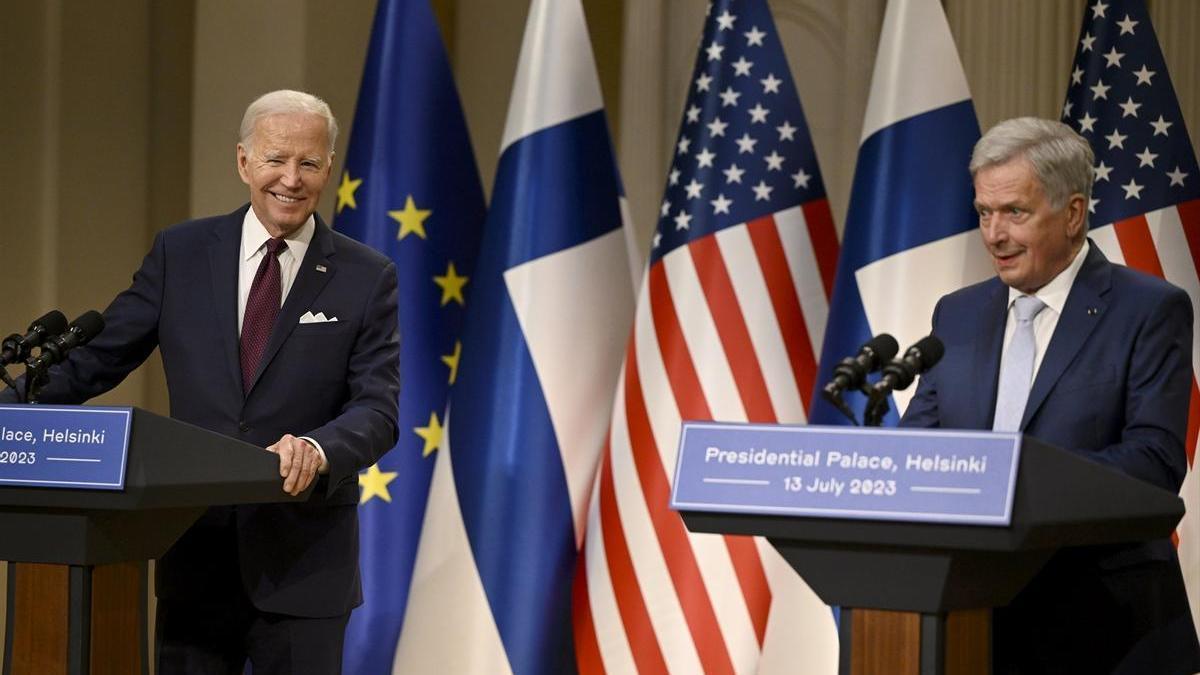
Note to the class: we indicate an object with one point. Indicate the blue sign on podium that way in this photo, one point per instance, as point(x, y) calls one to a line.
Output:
point(916, 475)
point(64, 446)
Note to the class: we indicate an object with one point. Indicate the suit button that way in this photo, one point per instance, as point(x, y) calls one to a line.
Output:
point(243, 427)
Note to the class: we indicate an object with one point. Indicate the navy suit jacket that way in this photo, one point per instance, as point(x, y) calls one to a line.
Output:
point(1113, 386)
point(335, 382)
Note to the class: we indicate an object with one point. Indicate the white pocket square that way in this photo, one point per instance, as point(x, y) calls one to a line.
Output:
point(319, 317)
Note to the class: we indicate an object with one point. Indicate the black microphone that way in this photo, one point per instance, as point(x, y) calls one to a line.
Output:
point(16, 347)
point(919, 358)
point(80, 332)
point(852, 371)
point(900, 373)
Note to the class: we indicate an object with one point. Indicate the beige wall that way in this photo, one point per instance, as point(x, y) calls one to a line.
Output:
point(76, 175)
point(121, 117)
point(246, 48)
point(115, 139)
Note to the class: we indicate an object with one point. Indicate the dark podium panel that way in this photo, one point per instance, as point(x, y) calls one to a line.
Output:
point(174, 471)
point(1061, 500)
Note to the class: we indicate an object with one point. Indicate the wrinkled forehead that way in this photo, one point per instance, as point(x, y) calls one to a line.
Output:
point(1014, 180)
point(299, 132)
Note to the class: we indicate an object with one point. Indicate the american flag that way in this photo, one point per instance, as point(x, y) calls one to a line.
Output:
point(729, 320)
point(1145, 209)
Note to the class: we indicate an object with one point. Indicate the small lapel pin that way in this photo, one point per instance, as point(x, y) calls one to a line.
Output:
point(320, 268)
point(1092, 311)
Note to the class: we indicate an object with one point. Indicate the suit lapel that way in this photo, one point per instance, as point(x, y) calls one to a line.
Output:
point(308, 284)
point(1083, 310)
point(987, 352)
point(223, 256)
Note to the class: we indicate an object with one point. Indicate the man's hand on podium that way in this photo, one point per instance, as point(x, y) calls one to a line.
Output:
point(299, 463)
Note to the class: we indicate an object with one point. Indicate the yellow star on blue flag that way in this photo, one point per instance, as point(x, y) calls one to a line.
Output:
point(409, 170)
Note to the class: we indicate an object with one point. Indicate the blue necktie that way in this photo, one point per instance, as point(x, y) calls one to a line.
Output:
point(1016, 369)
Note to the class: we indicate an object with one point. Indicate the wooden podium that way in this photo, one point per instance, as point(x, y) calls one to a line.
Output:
point(917, 597)
point(77, 593)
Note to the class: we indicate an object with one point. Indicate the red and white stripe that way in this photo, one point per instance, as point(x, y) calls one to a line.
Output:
point(727, 327)
point(1166, 243)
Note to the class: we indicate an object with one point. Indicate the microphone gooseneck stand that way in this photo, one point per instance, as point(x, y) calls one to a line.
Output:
point(36, 376)
point(7, 379)
point(835, 399)
point(877, 407)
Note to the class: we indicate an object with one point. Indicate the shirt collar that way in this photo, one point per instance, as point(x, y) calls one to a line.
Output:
point(254, 235)
point(1055, 293)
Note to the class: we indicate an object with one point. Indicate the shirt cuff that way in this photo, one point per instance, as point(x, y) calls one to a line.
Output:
point(324, 468)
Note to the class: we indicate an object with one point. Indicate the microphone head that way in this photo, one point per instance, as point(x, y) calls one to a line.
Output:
point(885, 348)
point(52, 323)
point(88, 325)
point(919, 358)
point(930, 349)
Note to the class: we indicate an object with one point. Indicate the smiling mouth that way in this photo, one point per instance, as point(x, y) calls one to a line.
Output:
point(285, 199)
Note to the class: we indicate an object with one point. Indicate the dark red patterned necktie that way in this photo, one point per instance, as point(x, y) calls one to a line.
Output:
point(261, 309)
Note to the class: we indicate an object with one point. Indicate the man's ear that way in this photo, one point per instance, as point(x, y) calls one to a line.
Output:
point(1076, 216)
point(243, 159)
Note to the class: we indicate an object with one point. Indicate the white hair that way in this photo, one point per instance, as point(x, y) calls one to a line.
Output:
point(1061, 159)
point(285, 102)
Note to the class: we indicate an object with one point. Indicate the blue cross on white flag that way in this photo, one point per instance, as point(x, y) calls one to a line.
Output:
point(542, 346)
point(910, 232)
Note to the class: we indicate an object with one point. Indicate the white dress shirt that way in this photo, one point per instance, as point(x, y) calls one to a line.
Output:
point(254, 247)
point(1054, 294)
point(254, 242)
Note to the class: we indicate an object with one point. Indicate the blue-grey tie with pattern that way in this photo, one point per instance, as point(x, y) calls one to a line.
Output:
point(1016, 369)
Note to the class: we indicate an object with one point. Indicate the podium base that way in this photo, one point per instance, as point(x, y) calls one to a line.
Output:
point(76, 619)
point(884, 642)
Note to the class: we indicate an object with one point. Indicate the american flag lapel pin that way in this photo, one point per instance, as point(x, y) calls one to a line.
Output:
point(320, 268)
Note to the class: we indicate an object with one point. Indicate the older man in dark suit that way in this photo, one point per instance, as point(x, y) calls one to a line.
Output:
point(1090, 356)
point(280, 332)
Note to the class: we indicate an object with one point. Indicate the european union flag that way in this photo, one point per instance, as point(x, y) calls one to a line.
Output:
point(409, 188)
